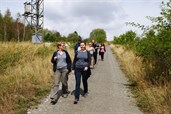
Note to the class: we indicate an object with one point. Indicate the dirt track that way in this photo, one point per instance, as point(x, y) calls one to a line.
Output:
point(107, 93)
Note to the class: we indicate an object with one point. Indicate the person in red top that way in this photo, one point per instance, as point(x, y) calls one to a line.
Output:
point(102, 50)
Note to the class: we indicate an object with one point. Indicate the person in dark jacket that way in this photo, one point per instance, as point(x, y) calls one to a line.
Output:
point(96, 47)
point(61, 66)
point(77, 45)
point(81, 66)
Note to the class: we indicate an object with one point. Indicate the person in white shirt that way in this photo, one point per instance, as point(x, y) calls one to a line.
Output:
point(91, 50)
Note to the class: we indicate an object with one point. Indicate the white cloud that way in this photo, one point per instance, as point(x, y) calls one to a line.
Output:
point(83, 16)
point(67, 16)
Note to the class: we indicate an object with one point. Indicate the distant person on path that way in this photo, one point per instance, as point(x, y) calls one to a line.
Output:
point(81, 67)
point(91, 50)
point(96, 46)
point(102, 50)
point(77, 46)
point(61, 66)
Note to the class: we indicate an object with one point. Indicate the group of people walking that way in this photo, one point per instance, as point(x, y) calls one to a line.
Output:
point(84, 61)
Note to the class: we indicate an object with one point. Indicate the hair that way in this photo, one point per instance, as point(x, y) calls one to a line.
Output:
point(59, 44)
point(79, 40)
point(83, 42)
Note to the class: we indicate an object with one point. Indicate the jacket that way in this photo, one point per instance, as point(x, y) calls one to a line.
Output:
point(68, 61)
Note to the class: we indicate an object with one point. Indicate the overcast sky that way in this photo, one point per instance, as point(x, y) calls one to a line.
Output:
point(67, 16)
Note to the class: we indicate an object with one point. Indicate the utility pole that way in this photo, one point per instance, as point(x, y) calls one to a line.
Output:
point(34, 14)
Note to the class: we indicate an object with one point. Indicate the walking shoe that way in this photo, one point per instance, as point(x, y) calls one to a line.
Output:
point(85, 94)
point(75, 101)
point(53, 101)
point(68, 92)
point(65, 95)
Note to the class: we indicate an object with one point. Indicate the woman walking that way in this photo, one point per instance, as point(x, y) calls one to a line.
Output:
point(91, 50)
point(102, 51)
point(82, 61)
point(62, 66)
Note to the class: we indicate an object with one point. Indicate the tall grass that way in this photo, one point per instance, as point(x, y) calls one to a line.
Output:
point(151, 98)
point(25, 75)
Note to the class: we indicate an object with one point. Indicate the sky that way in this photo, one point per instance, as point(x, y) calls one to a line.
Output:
point(67, 16)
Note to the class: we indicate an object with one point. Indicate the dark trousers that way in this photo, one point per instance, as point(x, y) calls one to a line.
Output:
point(78, 73)
point(95, 57)
point(102, 56)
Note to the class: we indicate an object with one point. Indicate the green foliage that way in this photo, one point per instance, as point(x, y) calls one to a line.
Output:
point(98, 35)
point(154, 46)
point(42, 91)
point(13, 30)
point(53, 36)
point(73, 37)
point(126, 38)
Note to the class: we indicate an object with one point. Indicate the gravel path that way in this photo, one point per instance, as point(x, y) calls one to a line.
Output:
point(107, 93)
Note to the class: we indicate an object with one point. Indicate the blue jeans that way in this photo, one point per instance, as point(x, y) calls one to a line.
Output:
point(78, 73)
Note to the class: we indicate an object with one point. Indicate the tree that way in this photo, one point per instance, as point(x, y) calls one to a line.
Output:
point(73, 37)
point(98, 35)
point(7, 21)
point(1, 27)
point(18, 26)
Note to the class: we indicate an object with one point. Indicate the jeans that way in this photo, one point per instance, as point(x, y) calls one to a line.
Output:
point(78, 73)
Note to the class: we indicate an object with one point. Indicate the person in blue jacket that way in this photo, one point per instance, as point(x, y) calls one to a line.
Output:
point(61, 66)
point(77, 45)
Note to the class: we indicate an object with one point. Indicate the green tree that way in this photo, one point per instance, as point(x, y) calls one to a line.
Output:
point(1, 27)
point(155, 46)
point(8, 26)
point(98, 35)
point(73, 37)
point(126, 38)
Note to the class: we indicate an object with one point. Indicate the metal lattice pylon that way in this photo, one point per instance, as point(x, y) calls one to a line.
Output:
point(34, 14)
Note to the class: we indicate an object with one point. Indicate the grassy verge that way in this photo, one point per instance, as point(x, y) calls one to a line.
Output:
point(25, 75)
point(151, 98)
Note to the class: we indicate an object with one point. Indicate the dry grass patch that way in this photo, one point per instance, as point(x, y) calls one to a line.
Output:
point(25, 75)
point(151, 98)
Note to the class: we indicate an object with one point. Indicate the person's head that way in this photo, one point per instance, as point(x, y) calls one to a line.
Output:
point(83, 46)
point(79, 40)
point(93, 41)
point(90, 44)
point(60, 46)
point(63, 44)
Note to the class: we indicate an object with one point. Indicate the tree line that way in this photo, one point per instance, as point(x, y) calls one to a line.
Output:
point(15, 30)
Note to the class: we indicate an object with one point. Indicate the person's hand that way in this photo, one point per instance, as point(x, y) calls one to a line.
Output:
point(72, 71)
point(55, 58)
point(86, 68)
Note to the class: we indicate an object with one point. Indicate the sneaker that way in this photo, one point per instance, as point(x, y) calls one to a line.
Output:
point(53, 101)
point(85, 94)
point(75, 101)
point(68, 92)
point(65, 95)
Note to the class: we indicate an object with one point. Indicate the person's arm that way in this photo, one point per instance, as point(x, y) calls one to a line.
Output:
point(74, 62)
point(89, 59)
point(52, 59)
point(93, 49)
point(68, 60)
